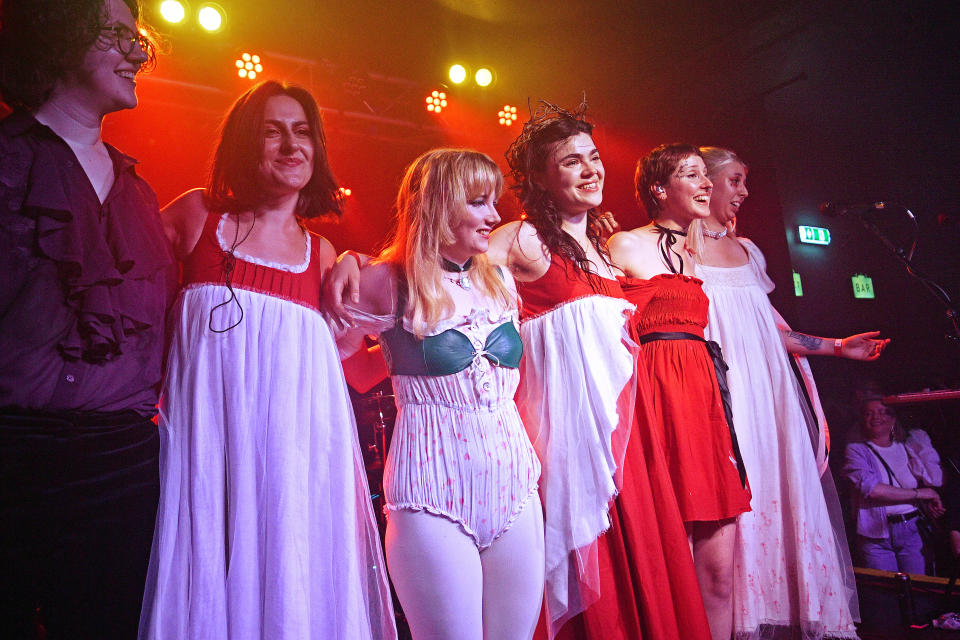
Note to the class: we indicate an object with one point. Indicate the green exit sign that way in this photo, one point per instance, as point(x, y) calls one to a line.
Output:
point(862, 286)
point(814, 235)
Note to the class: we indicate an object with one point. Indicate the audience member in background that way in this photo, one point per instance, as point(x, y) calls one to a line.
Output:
point(893, 474)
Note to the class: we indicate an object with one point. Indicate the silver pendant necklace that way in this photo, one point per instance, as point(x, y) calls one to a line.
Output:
point(463, 278)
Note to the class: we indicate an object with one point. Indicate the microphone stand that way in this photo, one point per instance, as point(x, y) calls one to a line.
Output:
point(907, 258)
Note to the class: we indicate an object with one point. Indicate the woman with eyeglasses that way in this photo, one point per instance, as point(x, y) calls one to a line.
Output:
point(87, 278)
point(265, 527)
point(893, 474)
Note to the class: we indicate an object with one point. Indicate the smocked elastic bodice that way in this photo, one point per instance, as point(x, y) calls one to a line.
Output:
point(667, 302)
point(206, 264)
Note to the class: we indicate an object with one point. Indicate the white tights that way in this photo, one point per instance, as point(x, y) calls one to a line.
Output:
point(451, 590)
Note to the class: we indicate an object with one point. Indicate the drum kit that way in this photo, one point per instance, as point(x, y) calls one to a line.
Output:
point(376, 414)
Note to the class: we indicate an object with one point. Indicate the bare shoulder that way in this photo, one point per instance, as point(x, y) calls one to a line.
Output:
point(183, 220)
point(635, 252)
point(325, 251)
point(628, 242)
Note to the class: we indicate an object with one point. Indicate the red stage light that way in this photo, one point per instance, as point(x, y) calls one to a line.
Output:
point(346, 191)
point(507, 115)
point(436, 101)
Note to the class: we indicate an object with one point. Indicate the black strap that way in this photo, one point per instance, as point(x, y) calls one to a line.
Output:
point(891, 476)
point(668, 238)
point(720, 368)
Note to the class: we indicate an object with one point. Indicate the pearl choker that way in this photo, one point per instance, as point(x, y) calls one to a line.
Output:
point(716, 235)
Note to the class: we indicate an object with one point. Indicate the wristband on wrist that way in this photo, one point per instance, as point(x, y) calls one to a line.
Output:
point(838, 347)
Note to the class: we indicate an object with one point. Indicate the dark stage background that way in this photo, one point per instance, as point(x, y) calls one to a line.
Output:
point(854, 101)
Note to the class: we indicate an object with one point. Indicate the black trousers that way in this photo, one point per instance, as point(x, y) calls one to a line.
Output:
point(78, 500)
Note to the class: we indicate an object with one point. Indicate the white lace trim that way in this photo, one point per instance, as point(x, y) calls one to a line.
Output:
point(475, 318)
point(291, 268)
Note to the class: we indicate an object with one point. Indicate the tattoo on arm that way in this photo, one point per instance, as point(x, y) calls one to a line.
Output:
point(811, 343)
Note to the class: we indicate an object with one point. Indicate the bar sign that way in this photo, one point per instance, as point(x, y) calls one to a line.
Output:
point(862, 286)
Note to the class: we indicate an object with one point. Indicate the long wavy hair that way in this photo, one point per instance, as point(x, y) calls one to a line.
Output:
point(527, 157)
point(234, 181)
point(44, 41)
point(432, 199)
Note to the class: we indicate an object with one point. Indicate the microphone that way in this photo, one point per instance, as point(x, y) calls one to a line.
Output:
point(839, 209)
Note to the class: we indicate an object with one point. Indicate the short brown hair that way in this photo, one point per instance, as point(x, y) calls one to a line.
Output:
point(655, 168)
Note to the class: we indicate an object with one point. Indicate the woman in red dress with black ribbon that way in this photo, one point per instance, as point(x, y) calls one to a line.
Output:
point(689, 414)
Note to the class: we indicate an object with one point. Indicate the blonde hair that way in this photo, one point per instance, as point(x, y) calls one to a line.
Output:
point(433, 197)
point(717, 158)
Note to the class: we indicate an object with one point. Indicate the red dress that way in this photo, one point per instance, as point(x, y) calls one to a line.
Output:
point(647, 585)
point(686, 408)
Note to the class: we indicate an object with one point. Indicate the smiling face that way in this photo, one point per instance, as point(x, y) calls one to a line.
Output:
point(573, 175)
point(105, 80)
point(686, 194)
point(471, 230)
point(729, 191)
point(286, 162)
point(878, 422)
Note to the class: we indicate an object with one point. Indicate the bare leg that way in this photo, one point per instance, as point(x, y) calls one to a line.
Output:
point(513, 578)
point(436, 570)
point(713, 561)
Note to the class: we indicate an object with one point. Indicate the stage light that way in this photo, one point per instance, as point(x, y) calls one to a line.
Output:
point(507, 115)
point(457, 73)
point(483, 77)
point(210, 17)
point(346, 191)
point(436, 101)
point(173, 11)
point(248, 66)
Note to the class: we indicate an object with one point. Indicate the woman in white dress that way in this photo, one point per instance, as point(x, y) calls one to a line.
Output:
point(792, 571)
point(265, 527)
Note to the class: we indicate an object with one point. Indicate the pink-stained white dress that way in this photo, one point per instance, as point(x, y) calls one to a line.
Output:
point(792, 570)
point(265, 528)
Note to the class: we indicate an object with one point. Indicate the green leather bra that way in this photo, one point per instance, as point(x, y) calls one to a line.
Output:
point(448, 352)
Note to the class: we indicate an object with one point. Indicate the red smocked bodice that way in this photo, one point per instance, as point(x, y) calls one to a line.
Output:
point(562, 283)
point(667, 302)
point(296, 283)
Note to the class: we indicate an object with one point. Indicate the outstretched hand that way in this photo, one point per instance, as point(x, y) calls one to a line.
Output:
point(864, 346)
